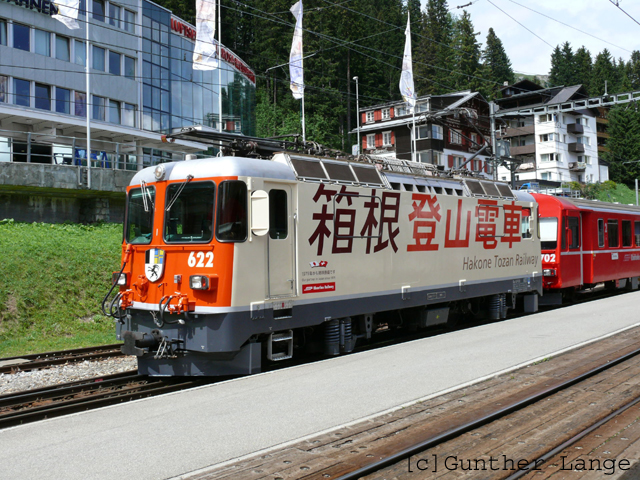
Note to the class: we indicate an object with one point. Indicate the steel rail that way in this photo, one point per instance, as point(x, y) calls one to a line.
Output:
point(484, 420)
point(43, 360)
point(73, 400)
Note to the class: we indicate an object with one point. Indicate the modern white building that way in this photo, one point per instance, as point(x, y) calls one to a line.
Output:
point(556, 147)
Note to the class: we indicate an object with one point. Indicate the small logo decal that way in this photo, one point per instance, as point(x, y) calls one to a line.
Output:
point(322, 263)
point(154, 264)
point(319, 287)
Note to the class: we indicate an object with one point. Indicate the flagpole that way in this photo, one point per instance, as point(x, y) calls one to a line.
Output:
point(88, 101)
point(413, 146)
point(304, 135)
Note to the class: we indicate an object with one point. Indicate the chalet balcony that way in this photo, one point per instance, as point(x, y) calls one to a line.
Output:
point(577, 166)
point(575, 128)
point(576, 147)
point(523, 150)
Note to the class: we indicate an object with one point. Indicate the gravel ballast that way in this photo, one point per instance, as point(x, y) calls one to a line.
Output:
point(23, 381)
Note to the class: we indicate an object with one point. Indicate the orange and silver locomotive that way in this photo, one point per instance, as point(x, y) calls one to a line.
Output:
point(229, 262)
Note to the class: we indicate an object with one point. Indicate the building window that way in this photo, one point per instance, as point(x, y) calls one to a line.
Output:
point(371, 140)
point(21, 92)
point(584, 140)
point(386, 138)
point(114, 63)
point(43, 97)
point(455, 136)
point(386, 114)
point(130, 67)
point(98, 10)
point(458, 161)
point(115, 13)
point(4, 88)
point(80, 104)
point(474, 140)
point(129, 115)
point(63, 100)
point(547, 137)
point(129, 21)
point(547, 117)
point(97, 107)
point(422, 107)
point(369, 117)
point(550, 157)
point(584, 159)
point(423, 132)
point(582, 121)
point(437, 132)
point(98, 58)
point(80, 53)
point(114, 112)
point(42, 42)
point(21, 37)
point(438, 158)
point(3, 31)
point(62, 48)
point(399, 111)
point(545, 176)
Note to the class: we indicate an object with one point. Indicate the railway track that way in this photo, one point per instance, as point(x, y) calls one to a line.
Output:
point(519, 425)
point(48, 402)
point(25, 363)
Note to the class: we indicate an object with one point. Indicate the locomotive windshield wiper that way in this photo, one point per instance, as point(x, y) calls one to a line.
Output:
point(145, 192)
point(175, 197)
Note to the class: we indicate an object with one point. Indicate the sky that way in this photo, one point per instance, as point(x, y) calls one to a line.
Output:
point(530, 54)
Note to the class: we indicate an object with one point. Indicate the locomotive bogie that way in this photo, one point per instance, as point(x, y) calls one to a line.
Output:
point(230, 261)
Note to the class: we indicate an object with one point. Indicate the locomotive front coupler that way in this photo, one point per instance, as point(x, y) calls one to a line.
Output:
point(135, 343)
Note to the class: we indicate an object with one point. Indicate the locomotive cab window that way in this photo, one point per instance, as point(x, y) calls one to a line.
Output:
point(278, 215)
point(525, 223)
point(549, 233)
point(636, 227)
point(189, 212)
point(140, 208)
point(612, 230)
point(231, 217)
point(627, 239)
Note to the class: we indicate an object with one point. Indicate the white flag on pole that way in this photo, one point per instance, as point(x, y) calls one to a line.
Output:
point(406, 77)
point(67, 13)
point(295, 57)
point(205, 52)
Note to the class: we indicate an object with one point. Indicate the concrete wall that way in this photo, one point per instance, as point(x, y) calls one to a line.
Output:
point(56, 193)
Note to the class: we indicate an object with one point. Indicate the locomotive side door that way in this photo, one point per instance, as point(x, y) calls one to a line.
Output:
point(280, 241)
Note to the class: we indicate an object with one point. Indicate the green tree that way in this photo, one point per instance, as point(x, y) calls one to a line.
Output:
point(603, 71)
point(623, 144)
point(432, 61)
point(633, 70)
point(466, 57)
point(563, 66)
point(583, 68)
point(497, 63)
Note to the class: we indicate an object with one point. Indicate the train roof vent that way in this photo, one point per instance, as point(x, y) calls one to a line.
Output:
point(308, 169)
point(475, 188)
point(367, 175)
point(491, 189)
point(504, 190)
point(339, 172)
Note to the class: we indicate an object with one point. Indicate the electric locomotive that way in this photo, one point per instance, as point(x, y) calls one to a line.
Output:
point(233, 261)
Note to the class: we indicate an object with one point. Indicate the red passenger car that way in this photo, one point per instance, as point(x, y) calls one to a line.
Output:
point(587, 242)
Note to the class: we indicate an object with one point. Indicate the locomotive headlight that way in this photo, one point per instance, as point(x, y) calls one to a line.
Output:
point(159, 172)
point(119, 279)
point(199, 282)
point(549, 272)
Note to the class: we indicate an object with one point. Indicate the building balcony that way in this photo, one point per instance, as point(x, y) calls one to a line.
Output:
point(577, 166)
point(523, 150)
point(526, 167)
point(575, 128)
point(576, 147)
point(603, 149)
point(519, 131)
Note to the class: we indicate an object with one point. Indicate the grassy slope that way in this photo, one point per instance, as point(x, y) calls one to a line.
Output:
point(52, 280)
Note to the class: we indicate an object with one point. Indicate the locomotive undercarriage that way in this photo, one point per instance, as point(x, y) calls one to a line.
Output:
point(238, 343)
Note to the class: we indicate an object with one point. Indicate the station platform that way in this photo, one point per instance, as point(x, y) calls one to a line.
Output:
point(174, 434)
